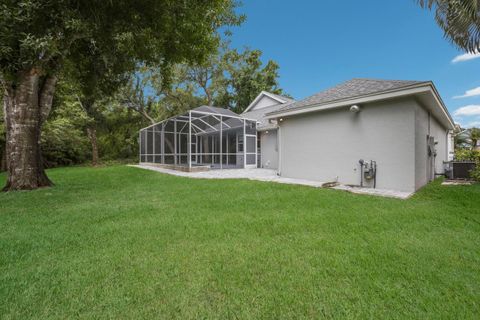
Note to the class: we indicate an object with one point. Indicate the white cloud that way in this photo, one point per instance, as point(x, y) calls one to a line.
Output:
point(468, 123)
point(469, 93)
point(466, 57)
point(473, 124)
point(470, 110)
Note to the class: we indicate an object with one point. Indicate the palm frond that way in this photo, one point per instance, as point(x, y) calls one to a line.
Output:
point(459, 19)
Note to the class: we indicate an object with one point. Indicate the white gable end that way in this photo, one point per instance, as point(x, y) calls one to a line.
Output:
point(264, 100)
point(263, 103)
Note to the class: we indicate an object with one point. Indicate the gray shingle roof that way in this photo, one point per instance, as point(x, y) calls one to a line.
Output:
point(350, 89)
point(222, 111)
point(260, 114)
point(282, 97)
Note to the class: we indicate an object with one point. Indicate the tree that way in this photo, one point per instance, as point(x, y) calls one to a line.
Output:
point(474, 136)
point(3, 155)
point(98, 75)
point(133, 97)
point(460, 21)
point(38, 37)
point(208, 77)
point(63, 139)
point(148, 94)
point(226, 78)
point(232, 79)
point(459, 138)
point(244, 78)
point(466, 138)
point(118, 132)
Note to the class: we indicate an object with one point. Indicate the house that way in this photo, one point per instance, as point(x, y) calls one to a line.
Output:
point(401, 127)
point(392, 135)
point(263, 104)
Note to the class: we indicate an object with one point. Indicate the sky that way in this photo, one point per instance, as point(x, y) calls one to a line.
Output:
point(319, 44)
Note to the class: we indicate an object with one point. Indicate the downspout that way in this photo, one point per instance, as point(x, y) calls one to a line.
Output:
point(221, 142)
point(279, 136)
point(450, 142)
point(361, 162)
point(140, 141)
point(175, 141)
point(189, 141)
point(431, 168)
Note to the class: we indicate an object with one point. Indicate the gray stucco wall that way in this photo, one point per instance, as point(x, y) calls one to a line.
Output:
point(439, 132)
point(269, 149)
point(422, 163)
point(425, 168)
point(327, 145)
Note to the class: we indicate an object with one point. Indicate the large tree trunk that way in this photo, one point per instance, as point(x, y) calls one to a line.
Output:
point(27, 103)
point(92, 135)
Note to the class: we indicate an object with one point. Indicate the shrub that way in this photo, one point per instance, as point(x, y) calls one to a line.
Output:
point(467, 155)
point(64, 143)
point(475, 173)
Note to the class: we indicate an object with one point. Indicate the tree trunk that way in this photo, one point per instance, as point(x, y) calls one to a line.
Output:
point(27, 103)
point(3, 161)
point(92, 135)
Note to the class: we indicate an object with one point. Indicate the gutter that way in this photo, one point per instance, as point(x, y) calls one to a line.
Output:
point(404, 91)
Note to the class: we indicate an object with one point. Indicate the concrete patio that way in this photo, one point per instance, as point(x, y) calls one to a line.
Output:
point(271, 176)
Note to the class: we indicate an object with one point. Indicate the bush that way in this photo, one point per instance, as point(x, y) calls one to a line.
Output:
point(118, 134)
point(467, 155)
point(475, 173)
point(64, 143)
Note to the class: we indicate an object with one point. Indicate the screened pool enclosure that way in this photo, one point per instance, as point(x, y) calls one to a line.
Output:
point(206, 137)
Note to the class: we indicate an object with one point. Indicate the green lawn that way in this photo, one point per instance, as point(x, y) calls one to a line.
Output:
point(120, 242)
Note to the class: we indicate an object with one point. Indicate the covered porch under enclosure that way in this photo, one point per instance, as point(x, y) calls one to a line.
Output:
point(203, 138)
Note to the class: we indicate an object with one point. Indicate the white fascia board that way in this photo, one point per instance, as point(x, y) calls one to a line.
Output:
point(439, 101)
point(260, 96)
point(274, 97)
point(428, 87)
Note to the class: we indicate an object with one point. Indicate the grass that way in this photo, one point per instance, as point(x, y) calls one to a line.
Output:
point(120, 242)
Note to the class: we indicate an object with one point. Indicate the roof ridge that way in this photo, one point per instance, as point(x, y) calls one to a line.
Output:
point(278, 95)
point(273, 106)
point(352, 88)
point(390, 80)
